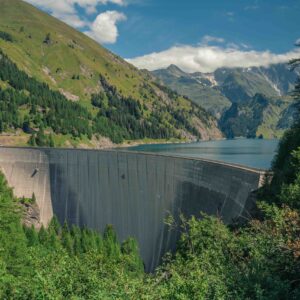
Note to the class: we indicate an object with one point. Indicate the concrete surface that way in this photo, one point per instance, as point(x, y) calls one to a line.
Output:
point(133, 191)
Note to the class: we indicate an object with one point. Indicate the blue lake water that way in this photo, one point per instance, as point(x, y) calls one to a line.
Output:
point(248, 152)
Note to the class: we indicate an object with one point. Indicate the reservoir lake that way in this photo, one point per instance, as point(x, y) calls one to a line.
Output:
point(256, 153)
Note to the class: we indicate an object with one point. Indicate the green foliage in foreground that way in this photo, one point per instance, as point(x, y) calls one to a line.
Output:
point(260, 260)
point(62, 262)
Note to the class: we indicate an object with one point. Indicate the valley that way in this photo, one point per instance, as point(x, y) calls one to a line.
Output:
point(248, 102)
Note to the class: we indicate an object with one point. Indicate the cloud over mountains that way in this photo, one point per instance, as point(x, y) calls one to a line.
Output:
point(208, 58)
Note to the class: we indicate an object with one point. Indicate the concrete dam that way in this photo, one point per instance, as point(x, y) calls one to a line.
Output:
point(133, 191)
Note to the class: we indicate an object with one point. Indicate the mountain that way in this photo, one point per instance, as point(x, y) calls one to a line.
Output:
point(241, 84)
point(261, 116)
point(59, 87)
point(200, 88)
point(234, 96)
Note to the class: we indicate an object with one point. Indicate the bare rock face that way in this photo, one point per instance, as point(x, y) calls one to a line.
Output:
point(31, 216)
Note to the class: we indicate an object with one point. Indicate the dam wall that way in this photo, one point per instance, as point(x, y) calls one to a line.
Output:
point(133, 191)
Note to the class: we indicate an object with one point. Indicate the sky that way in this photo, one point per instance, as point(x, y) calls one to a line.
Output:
point(196, 35)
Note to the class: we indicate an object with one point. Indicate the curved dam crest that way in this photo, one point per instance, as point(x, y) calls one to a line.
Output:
point(133, 191)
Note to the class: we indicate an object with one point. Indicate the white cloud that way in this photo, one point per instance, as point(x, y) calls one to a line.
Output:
point(104, 28)
point(209, 58)
point(297, 42)
point(69, 6)
point(208, 39)
point(65, 10)
point(72, 19)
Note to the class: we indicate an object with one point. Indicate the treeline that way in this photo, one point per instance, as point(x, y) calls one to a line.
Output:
point(6, 36)
point(38, 110)
point(46, 108)
point(78, 241)
point(61, 262)
point(127, 114)
point(135, 121)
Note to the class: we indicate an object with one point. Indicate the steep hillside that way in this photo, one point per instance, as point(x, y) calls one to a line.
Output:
point(195, 86)
point(241, 84)
point(117, 100)
point(261, 116)
point(231, 95)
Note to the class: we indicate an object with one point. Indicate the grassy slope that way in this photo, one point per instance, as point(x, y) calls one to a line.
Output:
point(247, 83)
point(73, 53)
point(86, 59)
point(271, 116)
point(258, 118)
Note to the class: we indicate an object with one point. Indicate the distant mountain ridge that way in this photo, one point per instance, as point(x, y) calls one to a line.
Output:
point(229, 90)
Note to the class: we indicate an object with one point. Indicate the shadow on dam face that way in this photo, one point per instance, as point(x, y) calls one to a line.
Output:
point(134, 192)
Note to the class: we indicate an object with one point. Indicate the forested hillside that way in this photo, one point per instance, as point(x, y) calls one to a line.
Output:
point(67, 90)
point(258, 259)
point(261, 116)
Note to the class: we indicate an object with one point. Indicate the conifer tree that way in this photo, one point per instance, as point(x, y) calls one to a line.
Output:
point(51, 141)
point(32, 236)
point(111, 244)
point(43, 236)
point(33, 198)
point(53, 242)
point(55, 225)
point(76, 236)
point(66, 239)
point(31, 140)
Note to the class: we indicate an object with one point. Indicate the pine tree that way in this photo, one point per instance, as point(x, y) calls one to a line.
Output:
point(41, 138)
point(32, 141)
point(111, 244)
point(33, 198)
point(51, 141)
point(76, 236)
point(43, 236)
point(131, 250)
point(52, 241)
point(55, 225)
point(32, 236)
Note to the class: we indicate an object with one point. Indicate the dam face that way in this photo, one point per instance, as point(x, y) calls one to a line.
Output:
point(134, 192)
